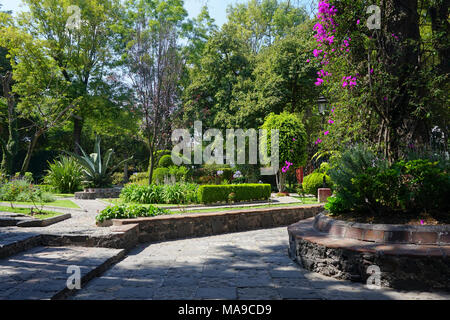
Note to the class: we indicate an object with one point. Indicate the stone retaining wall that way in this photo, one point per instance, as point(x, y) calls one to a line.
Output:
point(342, 255)
point(98, 193)
point(205, 224)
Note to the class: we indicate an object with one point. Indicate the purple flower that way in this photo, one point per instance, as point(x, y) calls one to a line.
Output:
point(357, 21)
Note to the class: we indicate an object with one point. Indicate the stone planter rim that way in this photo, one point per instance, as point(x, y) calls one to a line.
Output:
point(389, 233)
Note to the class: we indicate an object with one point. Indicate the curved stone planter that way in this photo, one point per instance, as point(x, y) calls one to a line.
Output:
point(383, 233)
point(408, 257)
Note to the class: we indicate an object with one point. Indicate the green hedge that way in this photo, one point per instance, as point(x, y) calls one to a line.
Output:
point(165, 161)
point(314, 181)
point(243, 192)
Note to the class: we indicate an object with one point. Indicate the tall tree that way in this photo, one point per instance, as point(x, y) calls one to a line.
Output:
point(155, 66)
point(82, 52)
point(11, 146)
point(39, 83)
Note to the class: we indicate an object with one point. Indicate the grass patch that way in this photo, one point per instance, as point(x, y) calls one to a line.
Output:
point(64, 195)
point(44, 214)
point(56, 203)
point(307, 200)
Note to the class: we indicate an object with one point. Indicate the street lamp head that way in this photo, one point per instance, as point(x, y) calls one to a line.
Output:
point(322, 102)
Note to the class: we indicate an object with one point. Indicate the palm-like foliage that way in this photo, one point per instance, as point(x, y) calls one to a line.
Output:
point(65, 175)
point(96, 169)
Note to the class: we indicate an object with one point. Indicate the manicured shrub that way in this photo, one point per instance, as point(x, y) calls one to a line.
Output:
point(64, 175)
point(243, 192)
point(165, 161)
point(130, 212)
point(314, 181)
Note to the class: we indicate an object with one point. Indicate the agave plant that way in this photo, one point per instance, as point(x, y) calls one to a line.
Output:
point(96, 172)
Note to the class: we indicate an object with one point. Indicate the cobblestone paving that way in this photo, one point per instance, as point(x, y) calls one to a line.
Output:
point(41, 272)
point(247, 265)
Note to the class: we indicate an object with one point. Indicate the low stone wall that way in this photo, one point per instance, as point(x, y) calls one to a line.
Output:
point(205, 224)
point(121, 237)
point(98, 193)
point(406, 266)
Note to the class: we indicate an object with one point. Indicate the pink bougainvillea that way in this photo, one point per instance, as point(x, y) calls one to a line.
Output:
point(329, 47)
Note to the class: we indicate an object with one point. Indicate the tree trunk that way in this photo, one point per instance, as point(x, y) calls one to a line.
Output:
point(77, 130)
point(11, 147)
point(26, 161)
point(125, 170)
point(402, 20)
point(281, 181)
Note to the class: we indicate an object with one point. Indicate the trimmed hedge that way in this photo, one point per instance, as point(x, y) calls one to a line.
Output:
point(165, 161)
point(314, 181)
point(243, 192)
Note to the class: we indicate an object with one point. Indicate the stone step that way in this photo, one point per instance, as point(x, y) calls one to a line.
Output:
point(12, 243)
point(42, 272)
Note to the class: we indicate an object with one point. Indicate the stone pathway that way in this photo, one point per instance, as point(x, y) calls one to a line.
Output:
point(41, 272)
point(247, 265)
point(82, 222)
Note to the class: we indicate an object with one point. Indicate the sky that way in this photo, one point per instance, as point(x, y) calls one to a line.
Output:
point(217, 8)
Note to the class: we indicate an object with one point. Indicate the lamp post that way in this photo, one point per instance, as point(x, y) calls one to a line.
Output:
point(323, 104)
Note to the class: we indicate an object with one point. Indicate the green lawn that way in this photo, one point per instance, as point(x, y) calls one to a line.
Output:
point(56, 203)
point(47, 214)
point(307, 200)
point(64, 195)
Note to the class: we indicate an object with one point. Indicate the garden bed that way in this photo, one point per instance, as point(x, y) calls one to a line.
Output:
point(21, 217)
